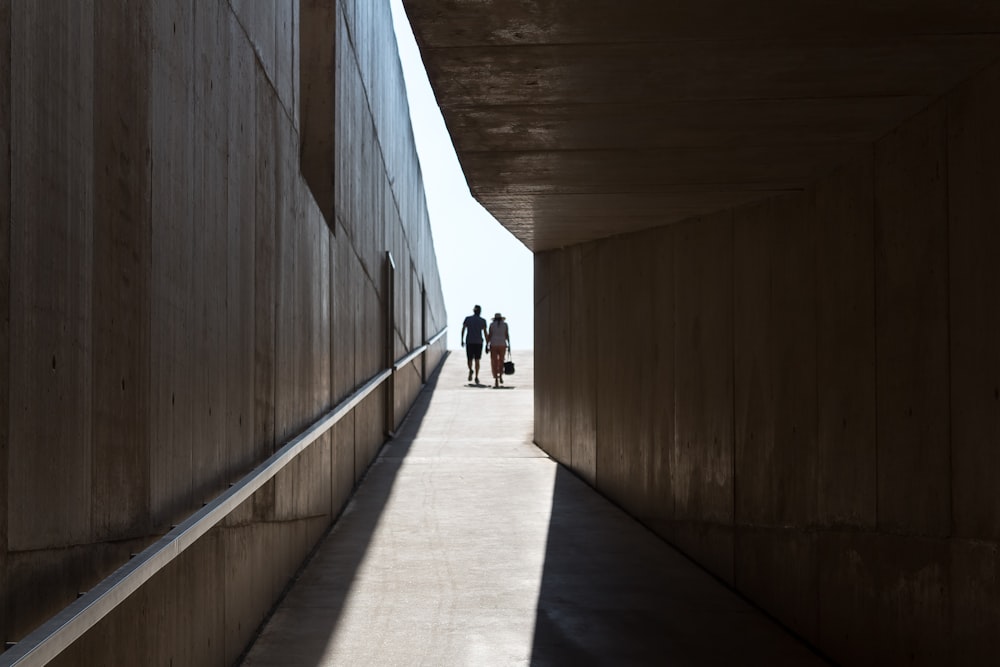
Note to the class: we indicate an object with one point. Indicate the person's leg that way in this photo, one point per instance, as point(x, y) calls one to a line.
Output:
point(470, 354)
point(493, 364)
point(477, 357)
point(496, 362)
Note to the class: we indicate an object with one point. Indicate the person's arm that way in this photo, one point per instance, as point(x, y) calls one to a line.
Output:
point(462, 335)
point(508, 335)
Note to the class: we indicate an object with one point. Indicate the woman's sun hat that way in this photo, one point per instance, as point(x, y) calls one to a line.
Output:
point(498, 316)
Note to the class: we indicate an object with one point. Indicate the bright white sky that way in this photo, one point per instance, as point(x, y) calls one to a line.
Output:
point(480, 261)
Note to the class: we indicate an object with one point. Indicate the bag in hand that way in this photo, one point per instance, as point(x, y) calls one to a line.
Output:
point(508, 367)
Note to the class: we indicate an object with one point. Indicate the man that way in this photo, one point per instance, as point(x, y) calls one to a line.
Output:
point(473, 342)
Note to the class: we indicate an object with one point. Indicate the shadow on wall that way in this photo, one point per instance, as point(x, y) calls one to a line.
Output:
point(349, 553)
point(614, 593)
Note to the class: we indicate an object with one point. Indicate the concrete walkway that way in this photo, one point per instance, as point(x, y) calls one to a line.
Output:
point(466, 545)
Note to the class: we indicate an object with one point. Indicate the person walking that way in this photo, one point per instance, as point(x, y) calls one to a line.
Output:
point(473, 340)
point(497, 343)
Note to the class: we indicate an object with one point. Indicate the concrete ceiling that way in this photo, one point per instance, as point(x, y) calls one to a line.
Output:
point(580, 119)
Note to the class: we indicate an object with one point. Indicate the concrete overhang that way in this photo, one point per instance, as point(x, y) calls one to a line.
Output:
point(577, 120)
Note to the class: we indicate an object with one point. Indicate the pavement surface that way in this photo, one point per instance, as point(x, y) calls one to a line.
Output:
point(466, 545)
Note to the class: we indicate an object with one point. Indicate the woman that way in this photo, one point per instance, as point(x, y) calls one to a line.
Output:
point(496, 344)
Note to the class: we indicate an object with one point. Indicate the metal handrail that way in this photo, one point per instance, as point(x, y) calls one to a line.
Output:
point(436, 337)
point(402, 361)
point(59, 632)
point(408, 358)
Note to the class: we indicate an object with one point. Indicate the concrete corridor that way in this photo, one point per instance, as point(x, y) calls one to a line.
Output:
point(466, 545)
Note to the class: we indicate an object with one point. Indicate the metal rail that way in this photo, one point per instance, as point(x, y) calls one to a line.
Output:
point(410, 357)
point(436, 337)
point(60, 631)
point(400, 363)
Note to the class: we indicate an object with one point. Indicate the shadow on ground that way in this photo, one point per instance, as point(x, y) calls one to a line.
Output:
point(325, 590)
point(613, 593)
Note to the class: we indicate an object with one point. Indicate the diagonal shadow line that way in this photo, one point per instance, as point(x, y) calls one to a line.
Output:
point(342, 550)
point(611, 591)
point(614, 593)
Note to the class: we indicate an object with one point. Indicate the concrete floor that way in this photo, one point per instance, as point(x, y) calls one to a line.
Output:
point(466, 545)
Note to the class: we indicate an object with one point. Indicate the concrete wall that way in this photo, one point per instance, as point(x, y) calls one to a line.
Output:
point(803, 394)
point(176, 305)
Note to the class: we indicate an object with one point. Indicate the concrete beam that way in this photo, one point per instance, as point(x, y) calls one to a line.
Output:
point(695, 99)
point(519, 22)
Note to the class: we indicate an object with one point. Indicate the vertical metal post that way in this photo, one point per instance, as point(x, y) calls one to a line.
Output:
point(390, 337)
point(423, 332)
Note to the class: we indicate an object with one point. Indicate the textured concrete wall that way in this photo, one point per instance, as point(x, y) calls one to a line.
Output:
point(175, 305)
point(802, 394)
